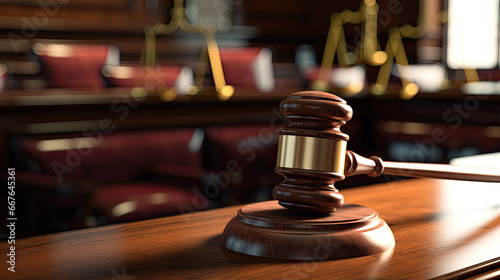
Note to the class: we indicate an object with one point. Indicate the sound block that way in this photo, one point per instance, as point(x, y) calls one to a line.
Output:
point(266, 229)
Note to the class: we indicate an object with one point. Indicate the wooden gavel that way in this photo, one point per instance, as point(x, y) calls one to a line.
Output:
point(312, 156)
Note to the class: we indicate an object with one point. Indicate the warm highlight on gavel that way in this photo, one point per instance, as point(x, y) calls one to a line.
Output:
point(312, 156)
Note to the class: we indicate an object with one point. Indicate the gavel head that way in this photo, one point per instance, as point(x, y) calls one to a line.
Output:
point(311, 152)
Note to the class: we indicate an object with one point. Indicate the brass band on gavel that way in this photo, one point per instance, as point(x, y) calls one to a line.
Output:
point(311, 153)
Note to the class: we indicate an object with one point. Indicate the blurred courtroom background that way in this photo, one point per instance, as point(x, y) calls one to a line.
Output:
point(123, 110)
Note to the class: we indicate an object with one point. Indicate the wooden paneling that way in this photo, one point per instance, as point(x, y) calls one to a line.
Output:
point(81, 16)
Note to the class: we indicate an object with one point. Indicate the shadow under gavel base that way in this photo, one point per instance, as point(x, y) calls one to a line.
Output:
point(266, 229)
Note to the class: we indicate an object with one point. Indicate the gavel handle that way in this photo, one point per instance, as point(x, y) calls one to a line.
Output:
point(374, 166)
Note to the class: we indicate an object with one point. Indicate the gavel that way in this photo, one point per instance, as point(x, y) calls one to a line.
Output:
point(308, 216)
point(312, 156)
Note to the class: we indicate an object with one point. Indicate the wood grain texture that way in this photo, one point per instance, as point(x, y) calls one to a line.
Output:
point(487, 268)
point(440, 227)
point(266, 229)
point(315, 114)
point(308, 190)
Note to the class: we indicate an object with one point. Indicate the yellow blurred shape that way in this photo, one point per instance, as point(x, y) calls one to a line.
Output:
point(378, 58)
point(409, 91)
point(168, 95)
point(226, 92)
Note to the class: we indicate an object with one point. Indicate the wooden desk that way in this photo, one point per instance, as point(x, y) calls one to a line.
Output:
point(440, 227)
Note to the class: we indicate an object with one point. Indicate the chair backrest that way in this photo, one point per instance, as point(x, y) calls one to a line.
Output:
point(248, 67)
point(105, 158)
point(246, 157)
point(75, 65)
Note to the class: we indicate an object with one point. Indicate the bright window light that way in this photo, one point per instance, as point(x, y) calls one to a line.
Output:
point(472, 34)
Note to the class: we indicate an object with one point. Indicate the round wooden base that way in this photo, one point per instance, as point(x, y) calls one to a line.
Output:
point(266, 229)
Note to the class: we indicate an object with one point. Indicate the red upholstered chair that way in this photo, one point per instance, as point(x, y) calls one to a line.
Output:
point(251, 152)
point(158, 78)
point(75, 65)
point(248, 67)
point(131, 172)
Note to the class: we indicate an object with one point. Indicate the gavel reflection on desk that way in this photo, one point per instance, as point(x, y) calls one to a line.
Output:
point(312, 156)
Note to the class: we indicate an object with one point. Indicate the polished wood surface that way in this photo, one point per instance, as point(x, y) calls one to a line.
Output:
point(440, 227)
point(266, 229)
